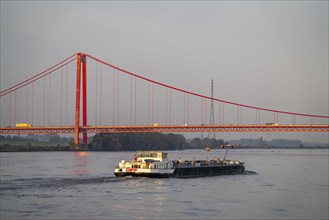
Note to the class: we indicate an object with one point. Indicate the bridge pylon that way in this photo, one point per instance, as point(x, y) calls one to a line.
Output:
point(81, 59)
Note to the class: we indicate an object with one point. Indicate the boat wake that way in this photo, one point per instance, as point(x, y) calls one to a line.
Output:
point(17, 184)
point(56, 183)
point(249, 172)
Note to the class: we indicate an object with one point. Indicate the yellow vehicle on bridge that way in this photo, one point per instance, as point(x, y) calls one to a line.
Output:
point(272, 124)
point(23, 125)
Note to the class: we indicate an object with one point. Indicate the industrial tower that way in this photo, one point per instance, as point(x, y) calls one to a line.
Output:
point(212, 134)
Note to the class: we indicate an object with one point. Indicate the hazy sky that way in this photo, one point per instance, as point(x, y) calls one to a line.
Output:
point(271, 54)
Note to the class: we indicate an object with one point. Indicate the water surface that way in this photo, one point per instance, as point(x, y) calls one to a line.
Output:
point(278, 184)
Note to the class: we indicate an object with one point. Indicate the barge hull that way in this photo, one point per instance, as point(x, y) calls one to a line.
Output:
point(150, 175)
point(204, 171)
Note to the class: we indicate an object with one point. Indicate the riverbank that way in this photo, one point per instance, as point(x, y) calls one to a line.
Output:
point(27, 146)
point(59, 147)
point(23, 146)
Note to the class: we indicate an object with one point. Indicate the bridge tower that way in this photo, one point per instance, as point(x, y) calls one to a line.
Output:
point(81, 58)
point(212, 135)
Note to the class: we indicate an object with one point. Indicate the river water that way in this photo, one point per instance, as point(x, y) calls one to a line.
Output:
point(278, 184)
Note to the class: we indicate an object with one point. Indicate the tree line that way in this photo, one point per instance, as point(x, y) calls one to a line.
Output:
point(137, 141)
point(149, 141)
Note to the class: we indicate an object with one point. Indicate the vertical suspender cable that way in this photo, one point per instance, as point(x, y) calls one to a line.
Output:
point(292, 119)
point(238, 115)
point(15, 107)
point(202, 111)
point(96, 88)
point(188, 108)
point(256, 113)
point(205, 110)
point(274, 117)
point(9, 109)
point(170, 94)
point(113, 94)
point(184, 106)
point(311, 120)
point(148, 103)
point(101, 95)
point(219, 110)
point(32, 103)
point(61, 111)
point(27, 103)
point(49, 101)
point(222, 112)
point(152, 103)
point(66, 96)
point(44, 101)
point(166, 106)
point(118, 100)
point(135, 99)
point(131, 99)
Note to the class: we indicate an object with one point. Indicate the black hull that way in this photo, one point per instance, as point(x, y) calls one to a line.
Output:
point(150, 175)
point(191, 171)
point(204, 171)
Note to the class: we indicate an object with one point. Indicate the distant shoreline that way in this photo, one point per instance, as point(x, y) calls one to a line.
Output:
point(143, 141)
point(20, 148)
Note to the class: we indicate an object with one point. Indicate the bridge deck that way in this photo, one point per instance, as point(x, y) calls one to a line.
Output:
point(182, 128)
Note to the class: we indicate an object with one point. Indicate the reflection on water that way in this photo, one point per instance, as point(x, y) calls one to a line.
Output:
point(147, 196)
point(80, 162)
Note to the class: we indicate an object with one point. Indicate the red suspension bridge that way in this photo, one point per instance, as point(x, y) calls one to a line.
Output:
point(123, 101)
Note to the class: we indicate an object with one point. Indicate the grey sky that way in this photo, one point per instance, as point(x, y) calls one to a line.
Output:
point(271, 54)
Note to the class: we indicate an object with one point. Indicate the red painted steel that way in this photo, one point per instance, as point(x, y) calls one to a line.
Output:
point(203, 96)
point(182, 128)
point(84, 95)
point(208, 128)
point(38, 76)
point(84, 129)
point(77, 100)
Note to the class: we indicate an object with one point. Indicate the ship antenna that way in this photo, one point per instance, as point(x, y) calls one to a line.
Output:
point(225, 154)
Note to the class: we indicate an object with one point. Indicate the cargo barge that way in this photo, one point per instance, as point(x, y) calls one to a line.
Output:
point(156, 164)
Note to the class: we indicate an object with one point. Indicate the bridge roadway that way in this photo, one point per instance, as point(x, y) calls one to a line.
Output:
point(172, 129)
